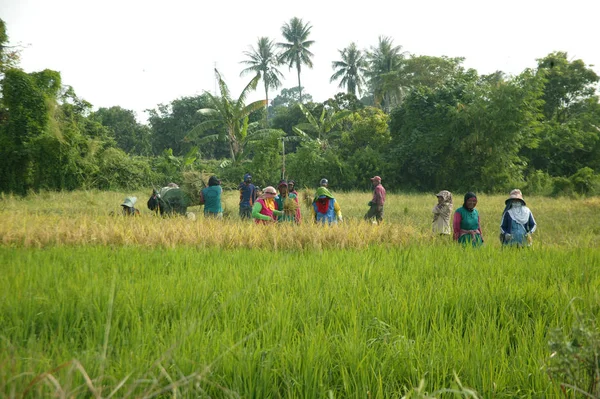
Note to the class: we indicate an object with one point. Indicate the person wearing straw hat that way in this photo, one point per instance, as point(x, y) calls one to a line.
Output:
point(376, 204)
point(128, 207)
point(441, 213)
point(466, 224)
point(264, 210)
point(518, 222)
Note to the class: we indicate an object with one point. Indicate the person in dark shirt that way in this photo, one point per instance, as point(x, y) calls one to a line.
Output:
point(247, 197)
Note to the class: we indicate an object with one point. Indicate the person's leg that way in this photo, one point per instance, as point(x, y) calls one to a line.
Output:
point(371, 213)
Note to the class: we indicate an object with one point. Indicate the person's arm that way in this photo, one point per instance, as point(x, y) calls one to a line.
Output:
point(479, 227)
point(505, 226)
point(456, 225)
point(256, 208)
point(531, 223)
point(338, 211)
point(253, 195)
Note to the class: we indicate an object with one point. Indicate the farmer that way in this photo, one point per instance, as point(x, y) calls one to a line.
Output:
point(128, 207)
point(169, 201)
point(264, 210)
point(247, 197)
point(376, 204)
point(211, 198)
point(467, 228)
point(517, 221)
point(325, 208)
point(292, 187)
point(441, 213)
point(288, 203)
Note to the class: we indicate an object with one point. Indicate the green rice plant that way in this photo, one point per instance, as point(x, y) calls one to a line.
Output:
point(202, 322)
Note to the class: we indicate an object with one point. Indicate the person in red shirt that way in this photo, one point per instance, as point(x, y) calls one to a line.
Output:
point(376, 204)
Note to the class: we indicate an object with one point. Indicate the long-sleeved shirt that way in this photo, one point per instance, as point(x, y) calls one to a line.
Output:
point(378, 195)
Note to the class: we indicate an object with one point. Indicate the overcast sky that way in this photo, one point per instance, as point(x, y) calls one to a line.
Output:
point(140, 53)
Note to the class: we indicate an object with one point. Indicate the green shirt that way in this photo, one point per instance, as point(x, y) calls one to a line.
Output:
point(212, 199)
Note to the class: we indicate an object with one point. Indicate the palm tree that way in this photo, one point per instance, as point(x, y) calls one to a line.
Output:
point(263, 60)
point(351, 69)
point(385, 72)
point(233, 116)
point(295, 51)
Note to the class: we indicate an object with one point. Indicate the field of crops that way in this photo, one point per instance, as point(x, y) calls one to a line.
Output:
point(94, 305)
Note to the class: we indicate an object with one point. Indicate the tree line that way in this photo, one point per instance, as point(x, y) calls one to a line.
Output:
point(423, 123)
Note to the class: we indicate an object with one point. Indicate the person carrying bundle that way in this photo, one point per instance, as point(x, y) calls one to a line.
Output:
point(169, 201)
point(211, 198)
point(288, 203)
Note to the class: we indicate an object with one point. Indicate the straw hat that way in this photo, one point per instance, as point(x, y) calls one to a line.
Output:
point(270, 190)
point(515, 195)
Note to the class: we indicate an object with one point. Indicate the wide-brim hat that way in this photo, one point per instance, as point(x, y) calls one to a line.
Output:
point(376, 178)
point(270, 190)
point(129, 202)
point(515, 195)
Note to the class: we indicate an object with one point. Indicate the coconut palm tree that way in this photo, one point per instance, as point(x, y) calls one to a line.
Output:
point(351, 69)
point(231, 117)
point(295, 50)
point(385, 73)
point(263, 60)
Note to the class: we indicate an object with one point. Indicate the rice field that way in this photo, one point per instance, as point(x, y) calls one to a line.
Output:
point(94, 305)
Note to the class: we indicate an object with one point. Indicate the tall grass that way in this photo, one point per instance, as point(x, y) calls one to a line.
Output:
point(83, 218)
point(95, 305)
point(259, 323)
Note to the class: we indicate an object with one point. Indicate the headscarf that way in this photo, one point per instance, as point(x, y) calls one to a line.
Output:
point(468, 196)
point(445, 208)
point(323, 192)
point(213, 181)
point(515, 206)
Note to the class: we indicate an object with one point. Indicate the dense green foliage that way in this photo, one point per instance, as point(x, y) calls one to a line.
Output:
point(422, 123)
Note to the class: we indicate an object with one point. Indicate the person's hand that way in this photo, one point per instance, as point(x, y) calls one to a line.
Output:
point(340, 218)
point(507, 237)
point(370, 203)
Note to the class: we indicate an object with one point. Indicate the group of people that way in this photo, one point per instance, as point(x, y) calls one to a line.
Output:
point(516, 226)
point(282, 205)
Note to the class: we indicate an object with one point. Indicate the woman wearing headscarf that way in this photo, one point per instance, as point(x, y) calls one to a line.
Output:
point(517, 221)
point(325, 208)
point(467, 227)
point(265, 210)
point(441, 213)
point(211, 198)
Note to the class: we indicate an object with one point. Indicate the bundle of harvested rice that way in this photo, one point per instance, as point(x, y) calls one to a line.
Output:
point(289, 206)
point(193, 183)
point(307, 198)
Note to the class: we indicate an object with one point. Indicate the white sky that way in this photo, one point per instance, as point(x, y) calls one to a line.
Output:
point(139, 53)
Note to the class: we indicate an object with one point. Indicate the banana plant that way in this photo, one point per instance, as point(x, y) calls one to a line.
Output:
point(323, 129)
